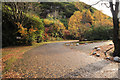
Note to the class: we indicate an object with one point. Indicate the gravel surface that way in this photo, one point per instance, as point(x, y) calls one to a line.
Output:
point(56, 60)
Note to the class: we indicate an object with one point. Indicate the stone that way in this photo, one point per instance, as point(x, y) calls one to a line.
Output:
point(98, 55)
point(95, 47)
point(67, 44)
point(117, 59)
point(77, 44)
point(98, 49)
point(85, 39)
point(110, 44)
point(86, 43)
point(108, 58)
point(93, 53)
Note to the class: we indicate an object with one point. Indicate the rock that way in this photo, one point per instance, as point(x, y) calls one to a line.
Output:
point(98, 55)
point(98, 49)
point(117, 59)
point(77, 44)
point(86, 43)
point(95, 47)
point(110, 44)
point(85, 39)
point(108, 58)
point(67, 44)
point(93, 53)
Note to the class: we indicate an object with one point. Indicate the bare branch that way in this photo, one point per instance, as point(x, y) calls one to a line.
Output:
point(102, 3)
point(106, 5)
point(96, 3)
point(116, 7)
point(111, 7)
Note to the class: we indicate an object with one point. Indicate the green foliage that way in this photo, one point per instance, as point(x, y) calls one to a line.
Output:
point(65, 22)
point(9, 64)
point(64, 9)
point(54, 28)
point(29, 29)
point(52, 21)
point(37, 23)
point(99, 33)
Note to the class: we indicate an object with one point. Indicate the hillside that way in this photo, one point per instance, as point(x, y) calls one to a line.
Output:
point(25, 23)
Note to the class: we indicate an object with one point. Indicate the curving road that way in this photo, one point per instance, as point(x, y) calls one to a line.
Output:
point(56, 60)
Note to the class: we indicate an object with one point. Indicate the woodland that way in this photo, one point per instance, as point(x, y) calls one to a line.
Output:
point(25, 23)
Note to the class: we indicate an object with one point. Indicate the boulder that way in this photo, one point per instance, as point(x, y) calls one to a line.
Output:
point(108, 58)
point(77, 44)
point(98, 49)
point(85, 39)
point(110, 44)
point(117, 59)
point(98, 55)
point(67, 44)
point(86, 43)
point(95, 47)
point(93, 53)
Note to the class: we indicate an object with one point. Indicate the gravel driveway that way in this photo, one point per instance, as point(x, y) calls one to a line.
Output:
point(56, 60)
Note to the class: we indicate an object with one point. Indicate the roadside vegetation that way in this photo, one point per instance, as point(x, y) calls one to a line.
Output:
point(28, 25)
point(94, 41)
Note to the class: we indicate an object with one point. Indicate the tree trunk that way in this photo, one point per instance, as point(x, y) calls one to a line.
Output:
point(116, 39)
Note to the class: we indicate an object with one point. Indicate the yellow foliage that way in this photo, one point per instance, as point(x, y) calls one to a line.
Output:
point(101, 19)
point(24, 31)
point(55, 23)
point(59, 25)
point(75, 21)
point(31, 30)
point(87, 17)
point(48, 22)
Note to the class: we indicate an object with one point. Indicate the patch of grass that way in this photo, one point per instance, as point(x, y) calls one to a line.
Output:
point(8, 63)
point(83, 42)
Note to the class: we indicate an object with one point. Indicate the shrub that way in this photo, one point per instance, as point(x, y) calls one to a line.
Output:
point(54, 27)
point(37, 23)
point(24, 29)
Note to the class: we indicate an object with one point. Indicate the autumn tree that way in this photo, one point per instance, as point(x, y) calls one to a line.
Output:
point(54, 27)
point(75, 23)
point(101, 19)
point(14, 13)
point(76, 27)
point(87, 17)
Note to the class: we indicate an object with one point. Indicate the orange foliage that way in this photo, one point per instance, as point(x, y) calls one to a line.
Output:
point(87, 17)
point(101, 19)
point(25, 31)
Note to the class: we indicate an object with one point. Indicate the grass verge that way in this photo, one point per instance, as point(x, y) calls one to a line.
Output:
point(83, 42)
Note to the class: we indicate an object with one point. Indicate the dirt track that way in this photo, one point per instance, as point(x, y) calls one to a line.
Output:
point(56, 60)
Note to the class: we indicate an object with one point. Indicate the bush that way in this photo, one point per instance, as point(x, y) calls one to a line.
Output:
point(29, 29)
point(54, 28)
point(37, 23)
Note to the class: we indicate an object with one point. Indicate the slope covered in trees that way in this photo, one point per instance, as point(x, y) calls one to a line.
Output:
point(25, 23)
